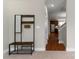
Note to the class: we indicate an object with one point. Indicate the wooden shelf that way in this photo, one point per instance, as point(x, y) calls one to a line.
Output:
point(27, 15)
point(27, 22)
point(22, 43)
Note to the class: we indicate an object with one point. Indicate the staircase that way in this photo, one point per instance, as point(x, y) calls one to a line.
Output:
point(53, 44)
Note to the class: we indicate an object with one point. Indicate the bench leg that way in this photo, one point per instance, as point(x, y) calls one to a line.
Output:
point(17, 49)
point(21, 47)
point(9, 50)
point(31, 50)
point(14, 47)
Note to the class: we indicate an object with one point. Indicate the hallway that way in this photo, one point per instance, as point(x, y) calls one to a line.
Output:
point(53, 44)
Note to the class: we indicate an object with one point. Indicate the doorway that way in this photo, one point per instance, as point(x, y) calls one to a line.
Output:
point(57, 25)
point(53, 41)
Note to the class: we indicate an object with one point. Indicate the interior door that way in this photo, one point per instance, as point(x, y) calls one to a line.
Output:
point(52, 27)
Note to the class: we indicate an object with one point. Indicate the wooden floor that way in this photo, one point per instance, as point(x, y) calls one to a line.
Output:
point(53, 44)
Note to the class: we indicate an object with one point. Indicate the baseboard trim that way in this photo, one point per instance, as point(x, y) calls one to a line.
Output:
point(39, 49)
point(70, 49)
point(60, 42)
point(5, 51)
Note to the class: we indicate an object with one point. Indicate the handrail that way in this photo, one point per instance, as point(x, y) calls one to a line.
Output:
point(62, 26)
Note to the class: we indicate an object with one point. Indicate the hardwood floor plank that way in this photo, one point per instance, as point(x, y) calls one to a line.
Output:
point(53, 44)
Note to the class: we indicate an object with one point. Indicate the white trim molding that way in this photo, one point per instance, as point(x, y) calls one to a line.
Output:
point(70, 49)
point(39, 49)
point(60, 42)
point(5, 51)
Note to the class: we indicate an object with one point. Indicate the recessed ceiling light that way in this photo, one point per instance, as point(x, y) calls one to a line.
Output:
point(52, 5)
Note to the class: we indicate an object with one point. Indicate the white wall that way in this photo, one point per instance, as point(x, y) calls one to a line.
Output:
point(5, 26)
point(62, 35)
point(35, 7)
point(70, 25)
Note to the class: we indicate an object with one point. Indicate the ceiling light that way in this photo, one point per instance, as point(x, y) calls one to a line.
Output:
point(52, 5)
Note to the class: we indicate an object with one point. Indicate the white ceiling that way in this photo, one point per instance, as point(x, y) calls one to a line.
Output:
point(58, 5)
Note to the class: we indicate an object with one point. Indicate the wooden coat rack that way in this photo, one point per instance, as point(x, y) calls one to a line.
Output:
point(18, 29)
